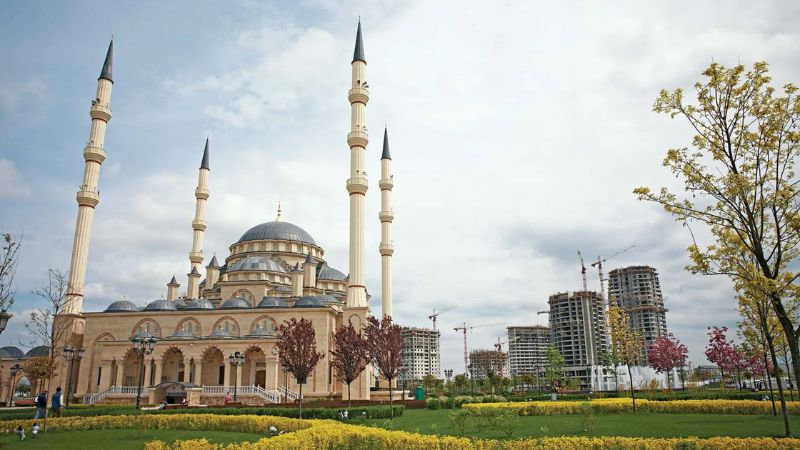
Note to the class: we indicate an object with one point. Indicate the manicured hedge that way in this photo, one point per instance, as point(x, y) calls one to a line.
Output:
point(656, 396)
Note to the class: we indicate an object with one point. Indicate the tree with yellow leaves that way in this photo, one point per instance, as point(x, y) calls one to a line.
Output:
point(626, 343)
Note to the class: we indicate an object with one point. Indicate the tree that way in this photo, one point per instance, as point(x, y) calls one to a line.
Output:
point(739, 182)
point(610, 361)
point(666, 354)
point(48, 326)
point(555, 366)
point(385, 343)
point(718, 351)
point(460, 382)
point(297, 350)
point(37, 370)
point(9, 256)
point(350, 356)
point(626, 343)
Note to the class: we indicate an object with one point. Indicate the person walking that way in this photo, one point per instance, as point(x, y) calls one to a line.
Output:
point(41, 406)
point(57, 402)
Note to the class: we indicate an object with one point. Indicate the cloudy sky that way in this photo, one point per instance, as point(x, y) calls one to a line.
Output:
point(518, 131)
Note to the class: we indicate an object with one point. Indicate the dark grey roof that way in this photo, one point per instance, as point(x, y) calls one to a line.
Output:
point(272, 302)
point(144, 334)
point(179, 303)
point(204, 163)
point(160, 305)
point(310, 302)
point(13, 351)
point(173, 281)
point(297, 268)
point(277, 230)
point(108, 63)
point(182, 334)
point(35, 352)
point(213, 262)
point(327, 272)
point(236, 303)
point(5, 354)
point(309, 259)
point(194, 271)
point(358, 54)
point(200, 303)
point(283, 289)
point(386, 154)
point(122, 305)
point(256, 262)
point(219, 333)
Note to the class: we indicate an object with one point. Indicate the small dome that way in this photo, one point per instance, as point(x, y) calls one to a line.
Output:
point(310, 302)
point(35, 352)
point(122, 306)
point(4, 354)
point(160, 305)
point(179, 303)
point(236, 303)
point(200, 303)
point(260, 331)
point(258, 262)
point(328, 298)
point(272, 302)
point(13, 351)
point(327, 272)
point(283, 231)
point(182, 334)
point(219, 333)
point(283, 289)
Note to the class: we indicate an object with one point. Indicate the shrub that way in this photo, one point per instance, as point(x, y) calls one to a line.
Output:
point(458, 420)
point(587, 417)
point(433, 403)
point(508, 421)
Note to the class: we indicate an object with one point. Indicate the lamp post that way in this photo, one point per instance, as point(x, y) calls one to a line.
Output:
point(447, 374)
point(472, 378)
point(236, 359)
point(15, 369)
point(403, 383)
point(143, 344)
point(71, 354)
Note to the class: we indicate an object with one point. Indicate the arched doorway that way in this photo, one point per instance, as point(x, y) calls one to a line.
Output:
point(172, 368)
point(130, 369)
point(212, 368)
point(254, 369)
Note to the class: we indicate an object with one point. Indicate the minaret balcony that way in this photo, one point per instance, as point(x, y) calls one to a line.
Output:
point(201, 193)
point(358, 95)
point(386, 216)
point(197, 258)
point(199, 225)
point(386, 183)
point(386, 249)
point(93, 153)
point(88, 198)
point(357, 139)
point(357, 185)
point(101, 112)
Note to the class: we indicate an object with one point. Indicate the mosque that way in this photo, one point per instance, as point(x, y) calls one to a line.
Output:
point(274, 272)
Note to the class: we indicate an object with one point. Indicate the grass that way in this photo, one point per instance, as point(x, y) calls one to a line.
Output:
point(117, 439)
point(427, 421)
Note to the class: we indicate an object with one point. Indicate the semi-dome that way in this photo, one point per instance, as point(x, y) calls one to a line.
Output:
point(200, 303)
point(13, 351)
point(182, 334)
point(236, 303)
point(272, 302)
point(284, 231)
point(39, 351)
point(179, 303)
point(310, 302)
point(122, 306)
point(220, 333)
point(260, 332)
point(160, 305)
point(256, 262)
point(327, 272)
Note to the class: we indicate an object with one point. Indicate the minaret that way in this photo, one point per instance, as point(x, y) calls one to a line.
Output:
point(212, 273)
point(172, 289)
point(89, 196)
point(309, 274)
point(386, 216)
point(199, 226)
point(357, 139)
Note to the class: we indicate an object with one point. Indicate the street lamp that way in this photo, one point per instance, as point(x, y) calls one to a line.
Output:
point(143, 344)
point(71, 354)
point(236, 359)
point(15, 369)
point(4, 316)
point(472, 378)
point(447, 374)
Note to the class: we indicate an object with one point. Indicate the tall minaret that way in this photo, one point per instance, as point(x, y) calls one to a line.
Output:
point(88, 196)
point(357, 139)
point(386, 216)
point(199, 227)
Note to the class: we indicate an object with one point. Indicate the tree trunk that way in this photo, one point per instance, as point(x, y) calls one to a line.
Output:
point(790, 333)
point(788, 373)
point(721, 377)
point(633, 391)
point(786, 425)
point(391, 400)
point(349, 400)
point(301, 400)
point(769, 383)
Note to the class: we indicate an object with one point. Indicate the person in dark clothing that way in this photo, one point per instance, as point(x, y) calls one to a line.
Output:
point(41, 406)
point(57, 404)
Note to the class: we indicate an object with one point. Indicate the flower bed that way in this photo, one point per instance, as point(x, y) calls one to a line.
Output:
point(618, 405)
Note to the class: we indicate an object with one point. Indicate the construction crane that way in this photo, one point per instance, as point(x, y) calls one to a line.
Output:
point(583, 271)
point(499, 349)
point(436, 314)
point(465, 328)
point(599, 265)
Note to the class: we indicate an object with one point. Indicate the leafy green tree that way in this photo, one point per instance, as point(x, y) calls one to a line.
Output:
point(626, 343)
point(555, 365)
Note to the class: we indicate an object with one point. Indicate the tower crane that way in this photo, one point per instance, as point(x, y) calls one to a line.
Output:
point(436, 314)
point(466, 328)
point(583, 271)
point(599, 265)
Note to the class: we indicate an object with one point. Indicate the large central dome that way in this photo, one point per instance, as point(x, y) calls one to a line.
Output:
point(277, 231)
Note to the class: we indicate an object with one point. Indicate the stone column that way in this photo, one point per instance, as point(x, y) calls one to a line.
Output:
point(273, 369)
point(120, 374)
point(227, 377)
point(239, 375)
point(198, 373)
point(147, 369)
point(157, 379)
point(105, 376)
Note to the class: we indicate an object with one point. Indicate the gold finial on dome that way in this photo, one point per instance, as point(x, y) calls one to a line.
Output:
point(278, 218)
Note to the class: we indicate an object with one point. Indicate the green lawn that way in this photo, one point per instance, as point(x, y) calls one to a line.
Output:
point(117, 439)
point(641, 424)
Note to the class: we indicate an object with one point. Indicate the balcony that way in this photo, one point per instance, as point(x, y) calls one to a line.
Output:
point(88, 198)
point(358, 95)
point(357, 139)
point(101, 112)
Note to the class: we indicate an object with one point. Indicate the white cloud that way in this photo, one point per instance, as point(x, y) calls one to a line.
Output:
point(11, 183)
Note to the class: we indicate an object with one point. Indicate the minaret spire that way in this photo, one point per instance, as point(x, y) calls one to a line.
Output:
point(198, 226)
point(386, 217)
point(89, 196)
point(357, 185)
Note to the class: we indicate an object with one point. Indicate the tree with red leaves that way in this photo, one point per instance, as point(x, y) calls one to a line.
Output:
point(297, 350)
point(350, 356)
point(385, 344)
point(718, 350)
point(666, 354)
